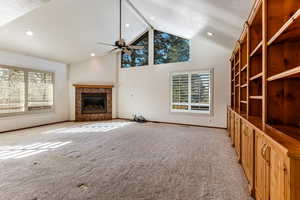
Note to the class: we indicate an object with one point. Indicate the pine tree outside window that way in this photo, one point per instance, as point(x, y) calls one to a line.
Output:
point(169, 48)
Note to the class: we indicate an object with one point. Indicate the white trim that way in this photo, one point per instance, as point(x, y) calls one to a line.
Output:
point(189, 104)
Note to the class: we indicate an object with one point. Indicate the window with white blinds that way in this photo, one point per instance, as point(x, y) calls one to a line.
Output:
point(191, 92)
point(40, 90)
point(25, 90)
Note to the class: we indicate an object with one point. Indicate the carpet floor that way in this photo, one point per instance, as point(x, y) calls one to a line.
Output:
point(119, 160)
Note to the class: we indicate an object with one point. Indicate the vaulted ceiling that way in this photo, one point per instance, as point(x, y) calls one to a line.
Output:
point(68, 30)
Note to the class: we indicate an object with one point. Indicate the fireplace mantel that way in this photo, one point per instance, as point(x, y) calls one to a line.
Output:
point(93, 86)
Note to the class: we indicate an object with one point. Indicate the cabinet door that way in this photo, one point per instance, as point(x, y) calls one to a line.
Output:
point(261, 168)
point(278, 174)
point(247, 154)
point(237, 136)
point(228, 121)
point(232, 128)
point(244, 147)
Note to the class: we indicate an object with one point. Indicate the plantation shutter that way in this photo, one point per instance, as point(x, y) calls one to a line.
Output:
point(180, 91)
point(40, 90)
point(12, 90)
point(200, 91)
point(191, 91)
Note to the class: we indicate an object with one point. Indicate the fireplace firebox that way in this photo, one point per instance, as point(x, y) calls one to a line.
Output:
point(93, 103)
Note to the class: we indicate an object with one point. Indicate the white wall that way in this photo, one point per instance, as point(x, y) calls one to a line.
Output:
point(98, 71)
point(146, 90)
point(61, 95)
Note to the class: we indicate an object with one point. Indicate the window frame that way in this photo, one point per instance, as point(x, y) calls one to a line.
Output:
point(189, 104)
point(147, 31)
point(181, 37)
point(26, 111)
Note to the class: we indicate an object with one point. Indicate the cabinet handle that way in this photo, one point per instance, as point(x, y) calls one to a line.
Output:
point(267, 154)
point(262, 151)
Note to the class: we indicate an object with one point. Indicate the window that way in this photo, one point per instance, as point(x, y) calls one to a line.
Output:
point(170, 48)
point(191, 91)
point(138, 57)
point(25, 90)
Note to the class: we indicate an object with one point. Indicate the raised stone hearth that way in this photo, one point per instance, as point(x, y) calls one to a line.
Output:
point(93, 102)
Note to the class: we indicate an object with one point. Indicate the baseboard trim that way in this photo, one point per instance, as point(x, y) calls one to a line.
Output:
point(159, 122)
point(180, 124)
point(20, 129)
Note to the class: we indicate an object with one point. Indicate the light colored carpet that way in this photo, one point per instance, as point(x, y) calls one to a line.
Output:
point(120, 161)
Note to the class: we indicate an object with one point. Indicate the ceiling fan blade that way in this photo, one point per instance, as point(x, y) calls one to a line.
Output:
point(135, 47)
point(127, 51)
point(106, 44)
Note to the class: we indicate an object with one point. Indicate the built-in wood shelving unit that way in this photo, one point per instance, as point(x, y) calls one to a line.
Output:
point(265, 94)
point(266, 66)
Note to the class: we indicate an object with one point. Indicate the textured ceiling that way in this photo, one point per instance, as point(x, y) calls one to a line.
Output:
point(12, 9)
point(68, 30)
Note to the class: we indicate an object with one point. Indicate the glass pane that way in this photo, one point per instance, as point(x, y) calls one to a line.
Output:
point(40, 90)
point(180, 88)
point(200, 85)
point(138, 57)
point(12, 90)
point(170, 48)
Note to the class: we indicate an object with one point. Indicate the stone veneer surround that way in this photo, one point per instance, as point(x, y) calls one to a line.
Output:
point(93, 89)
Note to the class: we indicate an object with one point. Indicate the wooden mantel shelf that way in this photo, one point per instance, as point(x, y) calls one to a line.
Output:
point(93, 86)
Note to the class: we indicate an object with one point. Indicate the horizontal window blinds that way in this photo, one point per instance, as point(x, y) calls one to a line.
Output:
point(12, 90)
point(200, 90)
point(191, 91)
point(23, 90)
point(40, 90)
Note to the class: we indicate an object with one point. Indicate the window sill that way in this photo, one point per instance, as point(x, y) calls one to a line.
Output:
point(191, 112)
point(26, 113)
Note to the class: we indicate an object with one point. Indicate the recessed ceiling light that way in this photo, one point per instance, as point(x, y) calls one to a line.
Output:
point(210, 34)
point(152, 18)
point(29, 33)
point(93, 54)
point(127, 25)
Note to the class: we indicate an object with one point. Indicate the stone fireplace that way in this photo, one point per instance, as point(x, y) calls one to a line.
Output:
point(93, 102)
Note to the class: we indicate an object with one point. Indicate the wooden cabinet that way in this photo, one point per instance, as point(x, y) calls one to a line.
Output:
point(279, 174)
point(272, 171)
point(228, 122)
point(247, 153)
point(232, 128)
point(261, 168)
point(270, 159)
point(237, 136)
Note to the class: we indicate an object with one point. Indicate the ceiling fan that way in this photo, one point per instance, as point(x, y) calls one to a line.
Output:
point(120, 45)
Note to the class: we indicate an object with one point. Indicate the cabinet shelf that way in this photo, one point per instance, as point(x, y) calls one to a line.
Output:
point(256, 97)
point(245, 85)
point(244, 102)
point(257, 50)
point(290, 30)
point(237, 74)
point(291, 131)
point(256, 76)
point(292, 73)
point(245, 67)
